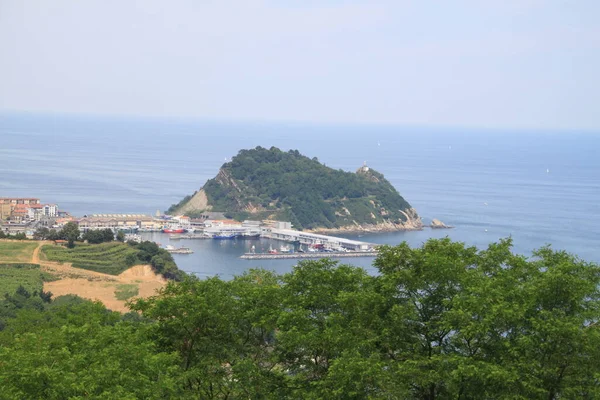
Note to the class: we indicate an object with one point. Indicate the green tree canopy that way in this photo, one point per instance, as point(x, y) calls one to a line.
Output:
point(443, 321)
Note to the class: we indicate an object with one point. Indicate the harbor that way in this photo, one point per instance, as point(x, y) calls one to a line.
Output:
point(299, 244)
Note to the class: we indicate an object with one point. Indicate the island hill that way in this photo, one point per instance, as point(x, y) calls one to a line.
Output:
point(264, 183)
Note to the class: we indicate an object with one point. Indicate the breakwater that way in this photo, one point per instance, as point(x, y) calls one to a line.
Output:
point(281, 256)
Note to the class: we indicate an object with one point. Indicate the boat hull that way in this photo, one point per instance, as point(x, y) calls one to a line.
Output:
point(251, 237)
point(173, 230)
point(224, 237)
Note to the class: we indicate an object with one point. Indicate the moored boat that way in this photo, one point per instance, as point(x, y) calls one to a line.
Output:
point(179, 250)
point(224, 236)
point(250, 236)
point(173, 229)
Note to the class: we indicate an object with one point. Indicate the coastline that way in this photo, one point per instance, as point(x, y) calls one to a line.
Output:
point(410, 225)
point(362, 229)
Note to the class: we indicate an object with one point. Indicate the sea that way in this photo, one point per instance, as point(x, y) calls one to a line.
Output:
point(537, 187)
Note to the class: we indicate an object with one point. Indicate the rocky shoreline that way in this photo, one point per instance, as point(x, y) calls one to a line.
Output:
point(364, 229)
point(437, 224)
point(411, 225)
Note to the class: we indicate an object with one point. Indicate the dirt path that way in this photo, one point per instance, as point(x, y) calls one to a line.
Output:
point(96, 285)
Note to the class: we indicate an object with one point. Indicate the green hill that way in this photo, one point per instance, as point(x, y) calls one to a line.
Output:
point(270, 183)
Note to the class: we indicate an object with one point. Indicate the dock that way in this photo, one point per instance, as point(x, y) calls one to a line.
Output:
point(312, 239)
point(293, 256)
point(189, 236)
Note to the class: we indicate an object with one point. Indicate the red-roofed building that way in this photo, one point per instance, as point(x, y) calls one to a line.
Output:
point(20, 214)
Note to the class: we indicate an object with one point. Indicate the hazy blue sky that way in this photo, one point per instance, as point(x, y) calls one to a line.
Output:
point(488, 63)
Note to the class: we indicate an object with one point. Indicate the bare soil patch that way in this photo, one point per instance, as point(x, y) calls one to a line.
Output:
point(96, 285)
point(105, 290)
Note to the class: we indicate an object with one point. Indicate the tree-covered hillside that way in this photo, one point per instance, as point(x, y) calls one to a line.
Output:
point(261, 183)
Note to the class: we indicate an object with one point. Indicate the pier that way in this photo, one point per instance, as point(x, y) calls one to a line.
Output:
point(321, 254)
point(311, 239)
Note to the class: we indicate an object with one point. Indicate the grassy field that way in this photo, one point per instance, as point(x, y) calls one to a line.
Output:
point(126, 291)
point(108, 258)
point(27, 275)
point(16, 252)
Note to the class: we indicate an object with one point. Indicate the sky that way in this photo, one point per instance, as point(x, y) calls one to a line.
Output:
point(526, 64)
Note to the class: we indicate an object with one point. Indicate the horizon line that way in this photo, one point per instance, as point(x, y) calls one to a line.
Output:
point(292, 122)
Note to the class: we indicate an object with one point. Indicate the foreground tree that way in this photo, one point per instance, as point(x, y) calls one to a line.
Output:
point(80, 350)
point(221, 337)
point(70, 232)
point(41, 233)
point(331, 318)
point(491, 324)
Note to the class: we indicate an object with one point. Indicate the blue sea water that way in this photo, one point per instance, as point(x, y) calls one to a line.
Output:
point(537, 187)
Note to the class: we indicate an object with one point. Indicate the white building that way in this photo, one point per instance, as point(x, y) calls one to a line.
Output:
point(50, 210)
point(182, 220)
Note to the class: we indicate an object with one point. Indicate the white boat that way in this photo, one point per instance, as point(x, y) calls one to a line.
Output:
point(180, 250)
point(132, 237)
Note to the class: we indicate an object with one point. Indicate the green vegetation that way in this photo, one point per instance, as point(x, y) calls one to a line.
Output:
point(115, 257)
point(161, 260)
point(99, 236)
point(108, 258)
point(20, 252)
point(174, 207)
point(261, 183)
point(20, 284)
point(125, 292)
point(16, 236)
point(28, 276)
point(72, 348)
point(71, 233)
point(444, 321)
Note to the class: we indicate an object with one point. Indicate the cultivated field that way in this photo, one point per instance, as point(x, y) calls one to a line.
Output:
point(108, 258)
point(52, 270)
point(30, 276)
point(16, 251)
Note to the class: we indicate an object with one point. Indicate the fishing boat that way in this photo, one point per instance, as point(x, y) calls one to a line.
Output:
point(173, 229)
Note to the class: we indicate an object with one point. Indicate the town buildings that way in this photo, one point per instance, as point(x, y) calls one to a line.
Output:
point(25, 209)
point(119, 222)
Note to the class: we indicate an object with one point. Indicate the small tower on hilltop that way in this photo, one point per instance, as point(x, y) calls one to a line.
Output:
point(364, 168)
